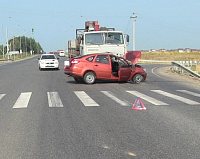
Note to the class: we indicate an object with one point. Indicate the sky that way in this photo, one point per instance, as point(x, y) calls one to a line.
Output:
point(160, 24)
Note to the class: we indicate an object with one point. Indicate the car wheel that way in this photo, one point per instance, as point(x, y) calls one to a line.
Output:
point(89, 78)
point(137, 78)
point(40, 68)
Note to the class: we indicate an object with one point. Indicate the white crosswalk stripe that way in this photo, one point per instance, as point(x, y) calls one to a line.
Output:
point(147, 98)
point(1, 96)
point(85, 99)
point(190, 93)
point(23, 100)
point(54, 99)
point(113, 97)
point(179, 98)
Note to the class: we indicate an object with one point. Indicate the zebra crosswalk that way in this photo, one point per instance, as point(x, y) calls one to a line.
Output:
point(54, 99)
point(23, 100)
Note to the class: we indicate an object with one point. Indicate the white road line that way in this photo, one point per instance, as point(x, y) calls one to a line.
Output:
point(147, 98)
point(54, 99)
point(109, 94)
point(188, 92)
point(22, 101)
point(1, 96)
point(85, 99)
point(179, 98)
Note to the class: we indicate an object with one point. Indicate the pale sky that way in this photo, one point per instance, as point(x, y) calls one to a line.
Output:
point(160, 24)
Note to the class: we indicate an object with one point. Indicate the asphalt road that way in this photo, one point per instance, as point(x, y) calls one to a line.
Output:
point(44, 116)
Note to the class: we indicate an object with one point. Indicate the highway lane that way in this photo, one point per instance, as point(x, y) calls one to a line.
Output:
point(56, 123)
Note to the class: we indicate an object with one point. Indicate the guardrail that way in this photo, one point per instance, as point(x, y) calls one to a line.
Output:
point(180, 68)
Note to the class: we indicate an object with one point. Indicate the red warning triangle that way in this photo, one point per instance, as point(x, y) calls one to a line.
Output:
point(138, 105)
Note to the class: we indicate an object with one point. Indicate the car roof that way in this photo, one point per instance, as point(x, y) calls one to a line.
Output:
point(99, 54)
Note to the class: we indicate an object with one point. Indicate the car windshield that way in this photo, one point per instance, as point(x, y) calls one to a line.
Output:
point(123, 63)
point(48, 57)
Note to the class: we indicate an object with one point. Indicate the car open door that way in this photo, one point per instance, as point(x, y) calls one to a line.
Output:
point(124, 70)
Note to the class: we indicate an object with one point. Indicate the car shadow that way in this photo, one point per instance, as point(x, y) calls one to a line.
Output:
point(50, 69)
point(100, 82)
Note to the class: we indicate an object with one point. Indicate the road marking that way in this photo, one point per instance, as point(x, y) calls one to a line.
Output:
point(188, 92)
point(54, 99)
point(179, 98)
point(109, 94)
point(1, 96)
point(85, 99)
point(152, 70)
point(23, 100)
point(147, 98)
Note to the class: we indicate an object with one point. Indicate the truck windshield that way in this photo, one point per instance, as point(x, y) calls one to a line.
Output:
point(94, 39)
point(104, 38)
point(114, 38)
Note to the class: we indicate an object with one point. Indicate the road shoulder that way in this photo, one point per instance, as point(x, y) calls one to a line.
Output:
point(187, 79)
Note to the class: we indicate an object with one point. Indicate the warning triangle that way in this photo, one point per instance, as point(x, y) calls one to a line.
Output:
point(138, 105)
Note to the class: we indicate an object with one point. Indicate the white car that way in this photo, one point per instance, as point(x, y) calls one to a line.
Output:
point(48, 61)
point(61, 53)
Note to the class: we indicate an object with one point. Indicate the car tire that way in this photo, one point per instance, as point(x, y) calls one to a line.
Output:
point(89, 78)
point(40, 68)
point(137, 78)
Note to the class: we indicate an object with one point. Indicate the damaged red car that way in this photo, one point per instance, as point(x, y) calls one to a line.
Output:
point(103, 66)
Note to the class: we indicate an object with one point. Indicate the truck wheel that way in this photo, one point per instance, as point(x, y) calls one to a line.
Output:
point(137, 78)
point(89, 78)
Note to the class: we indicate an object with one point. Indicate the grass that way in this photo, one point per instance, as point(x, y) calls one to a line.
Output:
point(16, 57)
point(170, 56)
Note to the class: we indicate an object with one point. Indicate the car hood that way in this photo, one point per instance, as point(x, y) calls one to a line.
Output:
point(133, 56)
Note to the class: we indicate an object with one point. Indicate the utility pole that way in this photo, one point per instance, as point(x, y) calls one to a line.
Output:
point(134, 20)
point(7, 43)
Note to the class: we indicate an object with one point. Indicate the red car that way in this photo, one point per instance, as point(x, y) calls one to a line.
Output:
point(105, 66)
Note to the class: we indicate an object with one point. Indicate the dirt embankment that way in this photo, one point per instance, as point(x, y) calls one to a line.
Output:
point(187, 78)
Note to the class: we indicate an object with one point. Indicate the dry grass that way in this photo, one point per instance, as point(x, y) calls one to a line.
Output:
point(170, 56)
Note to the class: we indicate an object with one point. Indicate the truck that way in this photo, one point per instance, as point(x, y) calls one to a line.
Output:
point(93, 39)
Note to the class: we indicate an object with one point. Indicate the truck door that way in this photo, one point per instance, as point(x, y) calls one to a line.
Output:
point(102, 67)
point(124, 70)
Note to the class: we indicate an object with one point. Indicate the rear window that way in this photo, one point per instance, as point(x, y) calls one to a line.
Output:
point(90, 59)
point(48, 57)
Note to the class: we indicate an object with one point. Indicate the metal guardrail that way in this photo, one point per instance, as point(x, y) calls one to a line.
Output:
point(177, 64)
point(186, 69)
